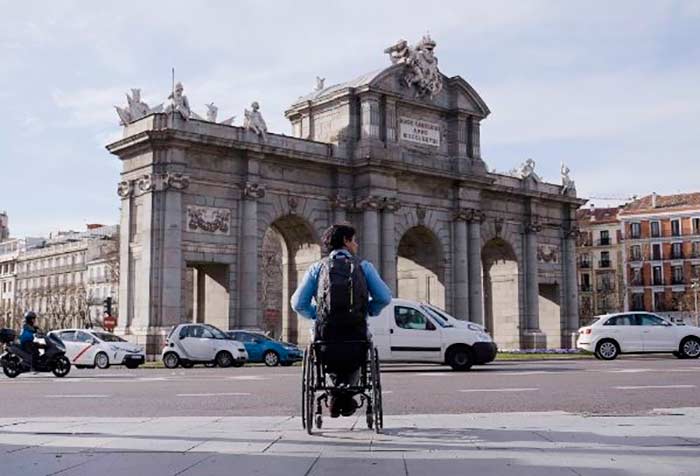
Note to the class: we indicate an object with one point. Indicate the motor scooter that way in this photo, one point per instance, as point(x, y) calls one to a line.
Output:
point(16, 360)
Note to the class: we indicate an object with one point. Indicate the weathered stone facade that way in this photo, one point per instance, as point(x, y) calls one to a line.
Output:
point(404, 168)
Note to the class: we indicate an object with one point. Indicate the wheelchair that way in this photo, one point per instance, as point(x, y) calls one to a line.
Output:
point(317, 385)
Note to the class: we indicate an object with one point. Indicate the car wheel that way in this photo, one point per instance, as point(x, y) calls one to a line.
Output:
point(224, 359)
point(102, 361)
point(690, 348)
point(460, 359)
point(607, 350)
point(171, 360)
point(271, 358)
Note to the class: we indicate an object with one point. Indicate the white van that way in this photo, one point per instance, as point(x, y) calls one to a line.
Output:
point(410, 331)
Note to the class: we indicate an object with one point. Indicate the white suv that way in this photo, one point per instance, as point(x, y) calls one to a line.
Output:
point(190, 344)
point(636, 332)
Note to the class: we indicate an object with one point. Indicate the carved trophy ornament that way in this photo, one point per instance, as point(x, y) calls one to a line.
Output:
point(420, 65)
point(209, 220)
point(547, 254)
point(135, 109)
point(526, 170)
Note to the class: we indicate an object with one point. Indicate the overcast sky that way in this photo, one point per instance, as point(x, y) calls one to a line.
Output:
point(610, 88)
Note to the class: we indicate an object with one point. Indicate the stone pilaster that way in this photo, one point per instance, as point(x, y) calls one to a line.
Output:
point(370, 229)
point(125, 190)
point(248, 282)
point(474, 139)
point(570, 280)
point(460, 265)
point(370, 117)
point(388, 269)
point(390, 121)
point(476, 289)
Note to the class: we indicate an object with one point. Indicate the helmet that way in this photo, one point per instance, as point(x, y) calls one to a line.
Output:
point(29, 316)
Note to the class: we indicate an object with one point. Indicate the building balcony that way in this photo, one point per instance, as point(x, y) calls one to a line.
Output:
point(604, 263)
point(637, 282)
point(636, 258)
point(584, 264)
point(606, 288)
point(637, 307)
point(657, 282)
point(603, 242)
point(677, 281)
point(585, 288)
point(656, 257)
point(677, 255)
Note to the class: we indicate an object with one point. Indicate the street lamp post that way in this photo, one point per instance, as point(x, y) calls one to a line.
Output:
point(694, 286)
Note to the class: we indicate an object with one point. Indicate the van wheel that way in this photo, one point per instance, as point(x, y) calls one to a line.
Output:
point(607, 350)
point(171, 360)
point(460, 359)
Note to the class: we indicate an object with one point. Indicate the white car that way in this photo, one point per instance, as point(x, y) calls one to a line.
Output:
point(636, 332)
point(89, 348)
point(190, 344)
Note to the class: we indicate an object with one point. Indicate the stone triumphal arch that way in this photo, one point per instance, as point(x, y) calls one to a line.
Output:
point(219, 222)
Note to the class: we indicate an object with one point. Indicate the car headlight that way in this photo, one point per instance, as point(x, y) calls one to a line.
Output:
point(474, 327)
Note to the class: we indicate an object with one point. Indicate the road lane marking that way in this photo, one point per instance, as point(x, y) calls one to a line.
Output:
point(644, 387)
point(632, 371)
point(472, 390)
point(86, 395)
point(386, 392)
point(248, 377)
point(228, 394)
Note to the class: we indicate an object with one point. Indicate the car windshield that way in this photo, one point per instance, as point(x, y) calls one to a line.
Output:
point(108, 337)
point(218, 334)
point(436, 315)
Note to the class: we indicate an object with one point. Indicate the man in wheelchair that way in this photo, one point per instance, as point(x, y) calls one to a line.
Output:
point(338, 292)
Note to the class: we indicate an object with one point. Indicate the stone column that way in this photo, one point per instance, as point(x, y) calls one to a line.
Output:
point(125, 191)
point(533, 338)
point(476, 291)
point(388, 268)
point(370, 229)
point(570, 286)
point(370, 117)
point(248, 282)
point(460, 266)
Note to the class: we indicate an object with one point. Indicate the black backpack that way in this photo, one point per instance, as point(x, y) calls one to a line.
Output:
point(341, 300)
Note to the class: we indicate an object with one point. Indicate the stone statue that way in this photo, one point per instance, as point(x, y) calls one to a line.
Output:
point(319, 83)
point(421, 64)
point(255, 122)
point(179, 102)
point(526, 170)
point(211, 112)
point(568, 184)
point(136, 108)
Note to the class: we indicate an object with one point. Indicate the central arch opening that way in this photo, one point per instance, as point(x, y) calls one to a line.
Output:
point(420, 267)
point(289, 247)
point(501, 301)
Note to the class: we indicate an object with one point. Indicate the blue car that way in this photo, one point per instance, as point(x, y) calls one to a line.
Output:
point(261, 348)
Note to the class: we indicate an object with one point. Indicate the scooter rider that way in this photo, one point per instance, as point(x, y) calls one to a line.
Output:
point(26, 338)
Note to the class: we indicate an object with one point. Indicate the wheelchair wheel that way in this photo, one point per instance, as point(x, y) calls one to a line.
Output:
point(307, 390)
point(377, 409)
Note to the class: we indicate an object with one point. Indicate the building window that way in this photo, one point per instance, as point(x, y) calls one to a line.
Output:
point(635, 253)
point(677, 275)
point(604, 283)
point(696, 226)
point(677, 251)
point(676, 227)
point(637, 302)
point(657, 276)
point(604, 259)
point(655, 229)
point(695, 249)
point(635, 230)
point(659, 301)
point(585, 282)
point(636, 279)
point(604, 238)
point(656, 252)
point(585, 261)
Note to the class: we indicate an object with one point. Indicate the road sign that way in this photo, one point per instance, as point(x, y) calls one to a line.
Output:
point(110, 322)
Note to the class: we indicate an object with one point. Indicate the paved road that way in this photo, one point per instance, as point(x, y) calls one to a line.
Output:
point(629, 385)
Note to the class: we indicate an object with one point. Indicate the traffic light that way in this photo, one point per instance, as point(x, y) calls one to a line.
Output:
point(107, 306)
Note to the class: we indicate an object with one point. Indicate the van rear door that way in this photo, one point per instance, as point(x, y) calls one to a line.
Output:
point(414, 336)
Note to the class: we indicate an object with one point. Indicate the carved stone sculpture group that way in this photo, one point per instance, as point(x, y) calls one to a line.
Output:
point(421, 65)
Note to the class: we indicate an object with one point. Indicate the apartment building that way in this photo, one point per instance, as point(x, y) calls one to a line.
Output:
point(662, 253)
point(10, 250)
point(599, 262)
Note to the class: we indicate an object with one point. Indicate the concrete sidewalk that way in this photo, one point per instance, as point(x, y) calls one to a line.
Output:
point(665, 442)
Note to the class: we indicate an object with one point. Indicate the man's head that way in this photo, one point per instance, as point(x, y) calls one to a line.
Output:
point(30, 318)
point(338, 237)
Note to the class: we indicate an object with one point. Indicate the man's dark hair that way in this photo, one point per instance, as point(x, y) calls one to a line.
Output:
point(335, 235)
